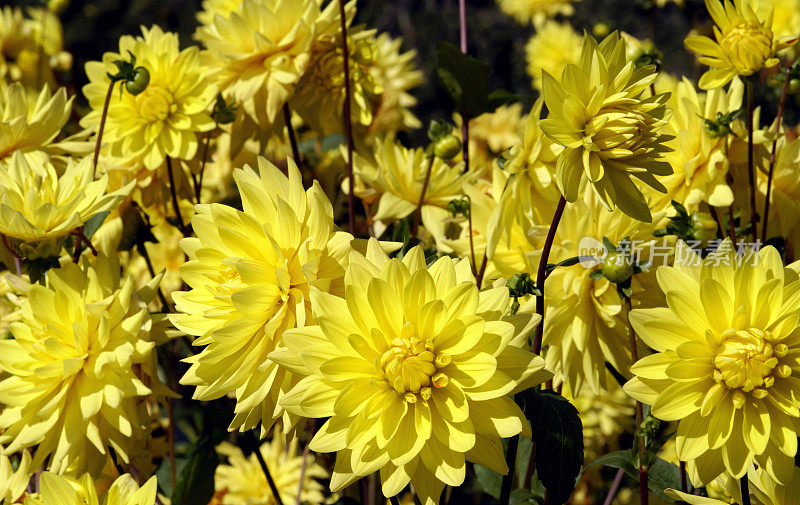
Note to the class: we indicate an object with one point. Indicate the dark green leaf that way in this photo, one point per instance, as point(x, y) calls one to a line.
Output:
point(464, 78)
point(91, 226)
point(558, 435)
point(195, 485)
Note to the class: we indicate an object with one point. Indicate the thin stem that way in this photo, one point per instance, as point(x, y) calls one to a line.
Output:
point(171, 435)
point(287, 118)
point(511, 463)
point(531, 468)
point(304, 465)
point(175, 205)
point(474, 263)
point(198, 187)
point(715, 216)
point(542, 272)
point(684, 485)
point(750, 83)
point(462, 25)
point(418, 211)
point(102, 124)
point(612, 491)
point(745, 487)
point(778, 120)
point(272, 486)
point(732, 226)
point(348, 126)
point(643, 477)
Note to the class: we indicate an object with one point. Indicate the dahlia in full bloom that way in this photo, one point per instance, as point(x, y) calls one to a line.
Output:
point(701, 158)
point(743, 42)
point(79, 366)
point(242, 482)
point(492, 133)
point(264, 47)
point(58, 490)
point(398, 73)
point(30, 124)
point(414, 367)
point(250, 273)
point(610, 131)
point(725, 363)
point(166, 118)
point(398, 175)
point(763, 490)
point(554, 46)
point(536, 11)
point(39, 208)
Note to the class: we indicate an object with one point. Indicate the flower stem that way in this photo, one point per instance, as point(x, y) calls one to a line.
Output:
point(275, 494)
point(102, 127)
point(287, 118)
point(418, 211)
point(684, 485)
point(750, 84)
point(170, 430)
point(304, 465)
point(198, 187)
point(511, 463)
point(778, 120)
point(612, 491)
point(643, 477)
point(745, 487)
point(462, 25)
point(541, 275)
point(175, 205)
point(348, 126)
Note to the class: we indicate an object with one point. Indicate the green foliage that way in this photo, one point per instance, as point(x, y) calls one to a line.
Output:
point(558, 437)
point(661, 474)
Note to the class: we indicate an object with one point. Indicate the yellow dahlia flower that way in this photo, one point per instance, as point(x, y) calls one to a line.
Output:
point(13, 482)
point(79, 366)
point(700, 160)
point(725, 363)
point(242, 482)
point(414, 367)
point(250, 273)
point(58, 490)
point(554, 46)
point(13, 291)
point(585, 324)
point(398, 174)
point(492, 133)
point(319, 98)
point(536, 11)
point(528, 192)
point(610, 131)
point(398, 73)
point(165, 119)
point(744, 43)
point(30, 124)
point(213, 8)
point(784, 210)
point(785, 20)
point(264, 46)
point(763, 490)
point(31, 47)
point(39, 208)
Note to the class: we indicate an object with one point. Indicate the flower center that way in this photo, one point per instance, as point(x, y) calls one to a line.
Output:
point(411, 365)
point(619, 132)
point(155, 103)
point(747, 45)
point(747, 360)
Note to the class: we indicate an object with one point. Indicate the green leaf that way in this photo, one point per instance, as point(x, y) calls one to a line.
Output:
point(661, 475)
point(195, 484)
point(558, 436)
point(464, 78)
point(92, 225)
point(489, 481)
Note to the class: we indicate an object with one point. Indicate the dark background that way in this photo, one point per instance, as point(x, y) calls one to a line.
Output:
point(92, 27)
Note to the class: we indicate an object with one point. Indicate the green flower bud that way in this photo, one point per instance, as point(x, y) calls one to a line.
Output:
point(704, 228)
point(447, 147)
point(794, 86)
point(138, 82)
point(617, 267)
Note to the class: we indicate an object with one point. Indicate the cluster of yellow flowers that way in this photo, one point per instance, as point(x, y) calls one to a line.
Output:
point(188, 243)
